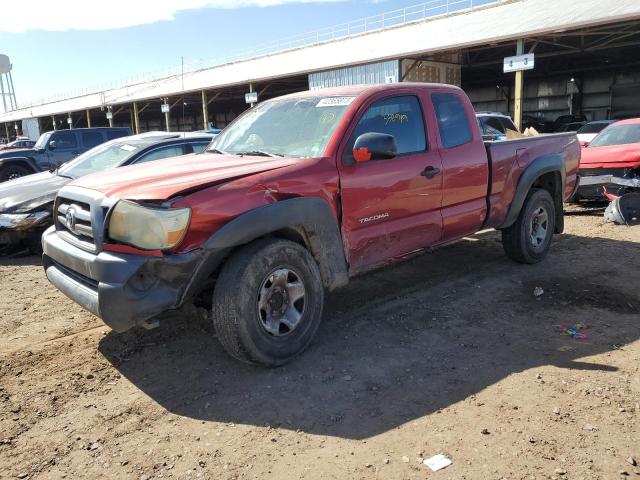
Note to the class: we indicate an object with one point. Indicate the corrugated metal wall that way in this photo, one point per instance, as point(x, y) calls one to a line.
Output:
point(383, 72)
point(604, 95)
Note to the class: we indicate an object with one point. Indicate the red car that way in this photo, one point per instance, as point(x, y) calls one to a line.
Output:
point(296, 196)
point(18, 144)
point(611, 162)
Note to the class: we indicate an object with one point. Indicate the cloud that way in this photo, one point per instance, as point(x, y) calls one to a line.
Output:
point(61, 15)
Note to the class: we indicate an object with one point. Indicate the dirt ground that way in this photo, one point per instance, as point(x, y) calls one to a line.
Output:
point(448, 353)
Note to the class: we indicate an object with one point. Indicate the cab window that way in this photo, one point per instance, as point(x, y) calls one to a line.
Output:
point(64, 140)
point(398, 116)
point(196, 147)
point(452, 120)
point(160, 153)
point(91, 139)
point(494, 123)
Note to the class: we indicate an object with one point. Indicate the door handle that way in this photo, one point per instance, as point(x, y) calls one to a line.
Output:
point(430, 172)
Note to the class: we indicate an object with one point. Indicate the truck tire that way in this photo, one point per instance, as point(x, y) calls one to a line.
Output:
point(11, 172)
point(267, 302)
point(529, 238)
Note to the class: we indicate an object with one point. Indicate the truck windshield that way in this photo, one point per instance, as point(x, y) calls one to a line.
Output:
point(42, 141)
point(617, 135)
point(102, 157)
point(298, 127)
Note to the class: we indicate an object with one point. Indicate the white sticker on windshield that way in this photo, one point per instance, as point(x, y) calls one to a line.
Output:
point(335, 102)
point(128, 148)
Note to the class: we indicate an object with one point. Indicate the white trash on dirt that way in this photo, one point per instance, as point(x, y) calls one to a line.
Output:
point(538, 292)
point(437, 462)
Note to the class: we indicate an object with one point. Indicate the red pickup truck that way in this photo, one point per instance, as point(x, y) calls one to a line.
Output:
point(296, 196)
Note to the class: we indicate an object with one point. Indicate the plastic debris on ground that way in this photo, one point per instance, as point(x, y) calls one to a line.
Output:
point(624, 210)
point(437, 462)
point(538, 292)
point(575, 331)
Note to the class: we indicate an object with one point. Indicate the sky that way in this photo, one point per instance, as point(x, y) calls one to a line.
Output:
point(62, 46)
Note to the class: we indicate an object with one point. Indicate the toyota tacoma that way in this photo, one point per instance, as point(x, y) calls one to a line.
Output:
point(294, 198)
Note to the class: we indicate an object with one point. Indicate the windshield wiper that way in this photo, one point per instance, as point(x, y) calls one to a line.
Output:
point(259, 153)
point(215, 150)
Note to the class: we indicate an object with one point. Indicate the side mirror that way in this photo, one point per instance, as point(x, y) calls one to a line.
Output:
point(374, 146)
point(52, 145)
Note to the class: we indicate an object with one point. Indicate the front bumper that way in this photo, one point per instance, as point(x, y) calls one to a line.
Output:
point(591, 185)
point(123, 290)
point(16, 229)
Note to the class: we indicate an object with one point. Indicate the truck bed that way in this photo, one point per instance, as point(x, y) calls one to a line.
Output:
point(509, 158)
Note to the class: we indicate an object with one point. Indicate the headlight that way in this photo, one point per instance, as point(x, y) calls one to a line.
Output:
point(148, 228)
point(12, 220)
point(22, 221)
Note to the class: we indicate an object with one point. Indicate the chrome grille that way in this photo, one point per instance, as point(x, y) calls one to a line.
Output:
point(75, 217)
point(74, 221)
point(79, 216)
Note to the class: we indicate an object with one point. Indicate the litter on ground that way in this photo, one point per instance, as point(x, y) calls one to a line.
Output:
point(437, 462)
point(575, 331)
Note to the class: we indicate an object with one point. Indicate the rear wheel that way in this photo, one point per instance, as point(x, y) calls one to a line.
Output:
point(11, 172)
point(267, 303)
point(529, 238)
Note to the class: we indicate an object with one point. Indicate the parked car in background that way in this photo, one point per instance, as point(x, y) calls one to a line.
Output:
point(26, 203)
point(494, 125)
point(611, 161)
point(558, 124)
point(18, 144)
point(570, 127)
point(53, 149)
point(297, 195)
point(588, 131)
point(536, 123)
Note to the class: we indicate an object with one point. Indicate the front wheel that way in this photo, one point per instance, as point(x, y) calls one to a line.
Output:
point(529, 238)
point(267, 302)
point(11, 172)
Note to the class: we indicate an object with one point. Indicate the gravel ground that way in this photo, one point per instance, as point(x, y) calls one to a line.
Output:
point(447, 353)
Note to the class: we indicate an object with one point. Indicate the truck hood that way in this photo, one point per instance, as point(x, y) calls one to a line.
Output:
point(16, 152)
point(163, 179)
point(30, 193)
point(614, 156)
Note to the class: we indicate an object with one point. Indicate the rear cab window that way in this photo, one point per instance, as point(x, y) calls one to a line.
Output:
point(453, 122)
point(399, 116)
point(91, 139)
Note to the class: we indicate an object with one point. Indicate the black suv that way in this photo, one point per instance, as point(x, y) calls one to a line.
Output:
point(53, 149)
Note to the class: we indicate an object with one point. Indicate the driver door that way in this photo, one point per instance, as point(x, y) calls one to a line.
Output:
point(391, 207)
point(66, 148)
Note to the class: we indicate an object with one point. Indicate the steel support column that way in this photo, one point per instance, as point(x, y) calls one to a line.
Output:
point(53, 119)
point(88, 118)
point(205, 111)
point(136, 119)
point(6, 129)
point(517, 107)
point(166, 116)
